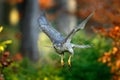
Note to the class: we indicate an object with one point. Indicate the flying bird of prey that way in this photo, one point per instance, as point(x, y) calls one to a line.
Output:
point(60, 43)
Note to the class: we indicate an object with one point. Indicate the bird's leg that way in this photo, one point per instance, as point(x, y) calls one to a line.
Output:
point(69, 60)
point(62, 59)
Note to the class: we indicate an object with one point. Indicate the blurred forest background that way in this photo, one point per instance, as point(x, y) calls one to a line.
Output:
point(24, 50)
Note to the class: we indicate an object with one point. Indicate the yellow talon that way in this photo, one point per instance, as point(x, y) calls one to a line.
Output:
point(69, 60)
point(62, 61)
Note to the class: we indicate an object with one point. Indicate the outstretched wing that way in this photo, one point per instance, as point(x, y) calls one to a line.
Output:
point(46, 27)
point(80, 26)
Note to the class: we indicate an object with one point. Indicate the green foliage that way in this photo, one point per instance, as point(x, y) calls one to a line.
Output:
point(26, 70)
point(20, 71)
point(5, 61)
point(85, 65)
point(3, 44)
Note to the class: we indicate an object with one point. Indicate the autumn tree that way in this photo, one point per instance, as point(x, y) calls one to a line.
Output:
point(112, 57)
point(106, 11)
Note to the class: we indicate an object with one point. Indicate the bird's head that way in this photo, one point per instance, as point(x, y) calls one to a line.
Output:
point(57, 46)
point(70, 50)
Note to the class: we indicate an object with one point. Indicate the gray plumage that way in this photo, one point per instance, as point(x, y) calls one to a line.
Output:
point(61, 43)
point(46, 27)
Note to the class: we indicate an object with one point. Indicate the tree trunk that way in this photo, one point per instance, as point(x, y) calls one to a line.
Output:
point(1, 11)
point(66, 22)
point(30, 30)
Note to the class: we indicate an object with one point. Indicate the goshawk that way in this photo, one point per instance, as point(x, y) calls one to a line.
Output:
point(60, 43)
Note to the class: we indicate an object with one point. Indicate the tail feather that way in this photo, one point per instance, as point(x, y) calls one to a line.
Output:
point(80, 46)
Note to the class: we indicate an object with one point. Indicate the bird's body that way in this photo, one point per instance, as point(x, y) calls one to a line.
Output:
point(61, 43)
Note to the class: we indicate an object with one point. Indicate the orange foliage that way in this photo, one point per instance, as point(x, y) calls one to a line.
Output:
point(46, 4)
point(18, 57)
point(106, 11)
point(112, 57)
point(5, 59)
point(14, 1)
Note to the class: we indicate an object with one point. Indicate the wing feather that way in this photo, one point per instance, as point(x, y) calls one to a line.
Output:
point(46, 27)
point(80, 26)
